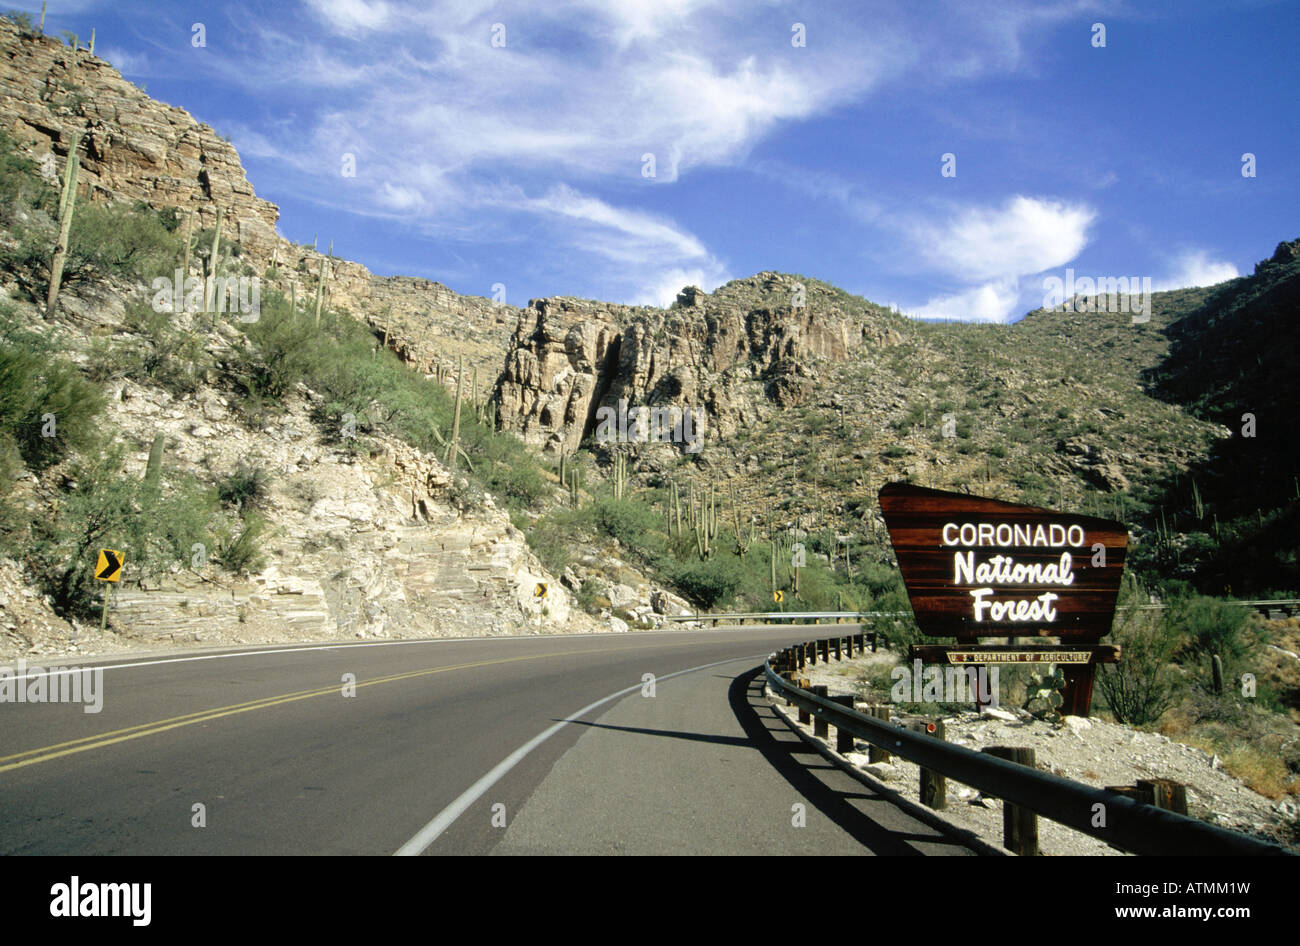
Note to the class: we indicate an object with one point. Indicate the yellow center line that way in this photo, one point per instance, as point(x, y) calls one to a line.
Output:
point(100, 740)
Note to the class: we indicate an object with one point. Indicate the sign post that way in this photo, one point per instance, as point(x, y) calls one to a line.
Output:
point(982, 568)
point(108, 567)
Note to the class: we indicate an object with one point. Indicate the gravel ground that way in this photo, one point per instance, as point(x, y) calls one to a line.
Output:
point(1090, 751)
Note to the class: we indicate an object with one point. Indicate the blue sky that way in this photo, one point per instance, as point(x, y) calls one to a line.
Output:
point(524, 163)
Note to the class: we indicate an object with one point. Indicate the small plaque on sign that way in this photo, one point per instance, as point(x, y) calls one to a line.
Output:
point(1019, 657)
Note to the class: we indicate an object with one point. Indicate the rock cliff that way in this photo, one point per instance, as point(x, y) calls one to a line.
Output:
point(733, 357)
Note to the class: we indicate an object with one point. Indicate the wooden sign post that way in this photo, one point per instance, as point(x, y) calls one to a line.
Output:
point(982, 568)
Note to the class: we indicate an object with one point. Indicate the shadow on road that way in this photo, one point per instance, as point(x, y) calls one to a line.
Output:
point(808, 774)
point(672, 733)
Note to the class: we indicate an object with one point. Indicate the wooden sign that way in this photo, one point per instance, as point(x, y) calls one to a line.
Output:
point(978, 567)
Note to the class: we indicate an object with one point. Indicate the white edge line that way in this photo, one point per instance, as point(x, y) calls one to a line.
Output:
point(445, 818)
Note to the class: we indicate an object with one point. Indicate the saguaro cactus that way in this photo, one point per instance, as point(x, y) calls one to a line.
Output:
point(620, 475)
point(454, 446)
point(320, 290)
point(67, 203)
point(741, 545)
point(575, 485)
point(154, 469)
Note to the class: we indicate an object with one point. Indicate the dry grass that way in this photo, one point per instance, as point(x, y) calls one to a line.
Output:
point(1261, 771)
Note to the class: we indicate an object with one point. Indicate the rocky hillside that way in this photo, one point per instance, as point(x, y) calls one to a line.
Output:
point(189, 441)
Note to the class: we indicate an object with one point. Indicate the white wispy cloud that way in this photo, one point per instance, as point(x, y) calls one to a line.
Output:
point(353, 16)
point(465, 140)
point(129, 64)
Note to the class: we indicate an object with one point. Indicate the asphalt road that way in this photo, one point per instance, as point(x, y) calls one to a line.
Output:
point(446, 747)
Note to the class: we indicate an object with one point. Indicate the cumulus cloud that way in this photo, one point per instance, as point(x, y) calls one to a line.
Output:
point(1195, 268)
point(995, 301)
point(1025, 235)
point(662, 287)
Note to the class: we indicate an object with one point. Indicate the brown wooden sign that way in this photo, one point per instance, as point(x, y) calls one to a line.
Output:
point(977, 567)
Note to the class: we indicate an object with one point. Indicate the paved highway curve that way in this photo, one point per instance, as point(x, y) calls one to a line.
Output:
point(438, 736)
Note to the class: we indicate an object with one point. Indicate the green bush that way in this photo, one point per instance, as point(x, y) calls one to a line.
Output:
point(119, 240)
point(593, 596)
point(246, 487)
point(631, 522)
point(708, 583)
point(105, 507)
point(1213, 626)
point(1141, 686)
point(46, 407)
point(157, 354)
point(241, 552)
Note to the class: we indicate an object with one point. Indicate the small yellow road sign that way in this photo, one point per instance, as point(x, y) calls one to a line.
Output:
point(109, 565)
point(778, 596)
point(540, 590)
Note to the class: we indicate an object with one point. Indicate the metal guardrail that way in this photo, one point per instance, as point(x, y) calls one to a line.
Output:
point(1130, 825)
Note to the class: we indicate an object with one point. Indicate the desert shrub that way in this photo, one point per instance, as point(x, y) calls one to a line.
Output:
point(104, 507)
point(593, 596)
point(283, 351)
point(46, 407)
point(22, 20)
point(518, 484)
point(126, 241)
point(1142, 685)
point(239, 548)
point(1212, 625)
point(157, 353)
point(245, 487)
point(708, 583)
point(629, 521)
point(552, 537)
point(13, 520)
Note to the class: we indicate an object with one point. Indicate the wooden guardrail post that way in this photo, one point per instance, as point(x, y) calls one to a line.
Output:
point(843, 738)
point(804, 715)
point(810, 649)
point(934, 787)
point(1167, 794)
point(1019, 825)
point(825, 646)
point(848, 643)
point(1160, 792)
point(882, 712)
point(839, 652)
point(821, 728)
